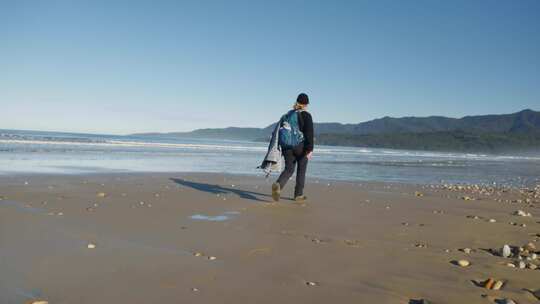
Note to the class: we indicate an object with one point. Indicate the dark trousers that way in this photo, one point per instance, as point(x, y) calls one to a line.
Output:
point(292, 157)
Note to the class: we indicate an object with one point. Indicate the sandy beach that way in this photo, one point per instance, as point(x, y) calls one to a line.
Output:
point(214, 238)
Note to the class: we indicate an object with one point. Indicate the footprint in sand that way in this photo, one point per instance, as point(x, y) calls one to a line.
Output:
point(259, 251)
point(317, 240)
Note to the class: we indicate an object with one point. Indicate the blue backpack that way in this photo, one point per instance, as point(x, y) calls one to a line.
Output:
point(290, 135)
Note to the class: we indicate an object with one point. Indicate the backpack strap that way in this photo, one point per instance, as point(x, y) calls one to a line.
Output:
point(300, 118)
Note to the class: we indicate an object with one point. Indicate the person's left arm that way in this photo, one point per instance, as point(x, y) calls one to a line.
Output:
point(308, 134)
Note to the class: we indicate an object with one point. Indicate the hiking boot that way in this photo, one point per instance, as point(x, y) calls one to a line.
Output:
point(300, 199)
point(276, 192)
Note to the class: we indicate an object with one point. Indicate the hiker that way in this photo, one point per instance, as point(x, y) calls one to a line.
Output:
point(295, 138)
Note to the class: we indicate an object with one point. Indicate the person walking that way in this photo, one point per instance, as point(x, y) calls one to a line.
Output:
point(296, 143)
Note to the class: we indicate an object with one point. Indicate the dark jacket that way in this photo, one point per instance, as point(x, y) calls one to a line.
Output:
point(306, 126)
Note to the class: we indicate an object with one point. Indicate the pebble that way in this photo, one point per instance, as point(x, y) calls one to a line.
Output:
point(419, 194)
point(39, 302)
point(532, 266)
point(488, 284)
point(536, 293)
point(463, 263)
point(91, 246)
point(492, 220)
point(101, 194)
point(352, 243)
point(507, 301)
point(511, 265)
point(312, 283)
point(194, 289)
point(498, 285)
point(522, 213)
point(521, 265)
point(530, 246)
point(198, 254)
point(211, 258)
point(506, 251)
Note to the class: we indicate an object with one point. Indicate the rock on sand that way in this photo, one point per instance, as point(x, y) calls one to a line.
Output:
point(463, 263)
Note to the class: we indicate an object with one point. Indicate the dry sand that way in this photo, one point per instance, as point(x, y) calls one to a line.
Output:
point(351, 243)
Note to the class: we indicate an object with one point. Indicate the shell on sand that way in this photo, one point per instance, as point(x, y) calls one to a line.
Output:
point(91, 246)
point(101, 194)
point(38, 302)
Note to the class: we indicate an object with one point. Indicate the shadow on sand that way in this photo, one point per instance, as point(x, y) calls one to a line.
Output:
point(217, 189)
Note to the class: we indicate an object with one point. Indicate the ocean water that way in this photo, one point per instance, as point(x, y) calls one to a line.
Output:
point(70, 153)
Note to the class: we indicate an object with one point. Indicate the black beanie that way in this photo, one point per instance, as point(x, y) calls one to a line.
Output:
point(302, 99)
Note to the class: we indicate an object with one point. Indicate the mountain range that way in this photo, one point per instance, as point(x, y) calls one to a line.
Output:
point(519, 130)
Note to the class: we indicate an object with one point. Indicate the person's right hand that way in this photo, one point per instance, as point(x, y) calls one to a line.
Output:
point(309, 155)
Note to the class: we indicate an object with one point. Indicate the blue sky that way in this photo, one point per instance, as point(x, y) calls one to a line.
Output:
point(134, 66)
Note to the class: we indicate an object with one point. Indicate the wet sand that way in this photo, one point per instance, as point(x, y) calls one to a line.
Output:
point(214, 238)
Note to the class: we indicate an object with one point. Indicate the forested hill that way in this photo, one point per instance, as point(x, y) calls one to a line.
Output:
point(519, 130)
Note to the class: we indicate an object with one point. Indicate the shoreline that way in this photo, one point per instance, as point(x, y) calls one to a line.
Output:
point(260, 175)
point(214, 238)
